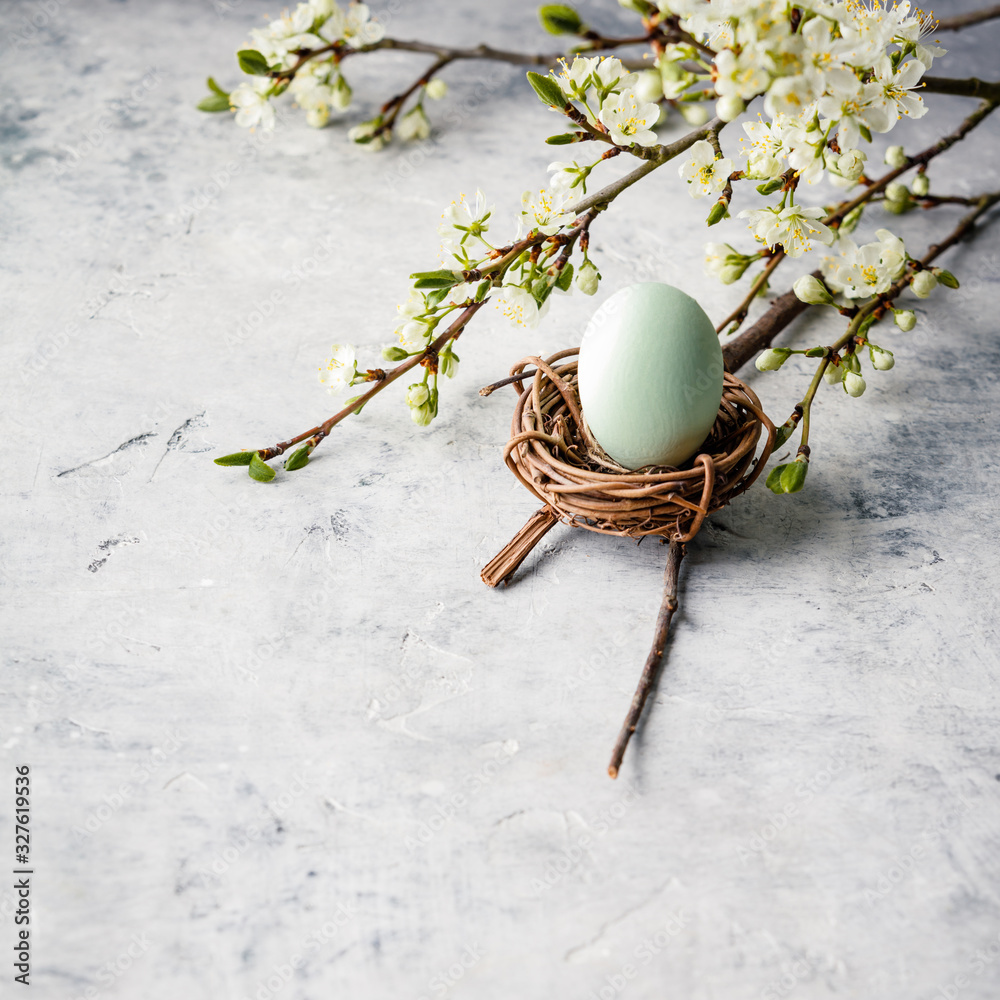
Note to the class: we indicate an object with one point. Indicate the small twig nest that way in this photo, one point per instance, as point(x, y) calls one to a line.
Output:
point(552, 452)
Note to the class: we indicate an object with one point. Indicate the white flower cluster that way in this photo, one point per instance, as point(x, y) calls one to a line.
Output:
point(318, 86)
point(830, 72)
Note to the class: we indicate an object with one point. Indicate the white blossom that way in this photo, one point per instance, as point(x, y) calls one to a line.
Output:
point(704, 174)
point(794, 227)
point(891, 95)
point(341, 368)
point(519, 306)
point(547, 212)
point(462, 221)
point(250, 102)
point(628, 121)
point(860, 272)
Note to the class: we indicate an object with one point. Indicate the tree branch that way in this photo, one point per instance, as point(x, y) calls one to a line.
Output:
point(667, 609)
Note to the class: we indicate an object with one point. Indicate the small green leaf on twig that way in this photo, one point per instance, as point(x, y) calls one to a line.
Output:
point(253, 62)
point(215, 88)
point(298, 459)
point(564, 139)
point(214, 102)
point(560, 19)
point(547, 89)
point(788, 478)
point(236, 458)
point(565, 277)
point(435, 279)
point(260, 470)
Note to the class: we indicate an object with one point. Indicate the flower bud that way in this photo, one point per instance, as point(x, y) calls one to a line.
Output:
point(694, 114)
point(851, 164)
point(414, 125)
point(854, 384)
point(393, 353)
point(897, 198)
point(895, 156)
point(587, 278)
point(436, 89)
point(318, 117)
point(852, 219)
point(417, 394)
point(882, 360)
point(923, 284)
point(729, 107)
point(649, 86)
point(946, 278)
point(364, 135)
point(422, 415)
point(772, 359)
point(719, 211)
point(921, 185)
point(833, 375)
point(905, 319)
point(448, 363)
point(810, 289)
point(341, 94)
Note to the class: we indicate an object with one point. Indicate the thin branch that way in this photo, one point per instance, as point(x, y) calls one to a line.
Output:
point(987, 89)
point(967, 20)
point(667, 609)
point(740, 312)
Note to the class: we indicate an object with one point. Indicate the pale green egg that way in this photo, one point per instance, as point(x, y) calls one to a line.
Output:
point(650, 375)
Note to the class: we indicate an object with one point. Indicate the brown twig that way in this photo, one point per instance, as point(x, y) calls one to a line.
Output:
point(649, 672)
point(967, 20)
point(740, 312)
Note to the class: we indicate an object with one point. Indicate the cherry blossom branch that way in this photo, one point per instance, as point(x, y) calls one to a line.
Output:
point(921, 159)
point(787, 307)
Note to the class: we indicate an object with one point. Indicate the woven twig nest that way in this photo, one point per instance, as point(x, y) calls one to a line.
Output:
point(553, 454)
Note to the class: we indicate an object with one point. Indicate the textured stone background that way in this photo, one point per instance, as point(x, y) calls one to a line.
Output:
point(290, 720)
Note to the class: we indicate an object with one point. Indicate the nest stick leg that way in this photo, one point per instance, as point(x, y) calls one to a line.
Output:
point(653, 661)
point(503, 565)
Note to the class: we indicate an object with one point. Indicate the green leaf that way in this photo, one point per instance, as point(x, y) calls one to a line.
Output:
point(769, 187)
point(260, 470)
point(774, 479)
point(393, 353)
point(298, 459)
point(547, 90)
point(565, 277)
point(237, 458)
point(435, 279)
point(794, 476)
point(562, 140)
point(816, 352)
point(781, 435)
point(946, 277)
point(436, 297)
point(215, 88)
point(865, 131)
point(214, 102)
point(560, 19)
point(253, 62)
